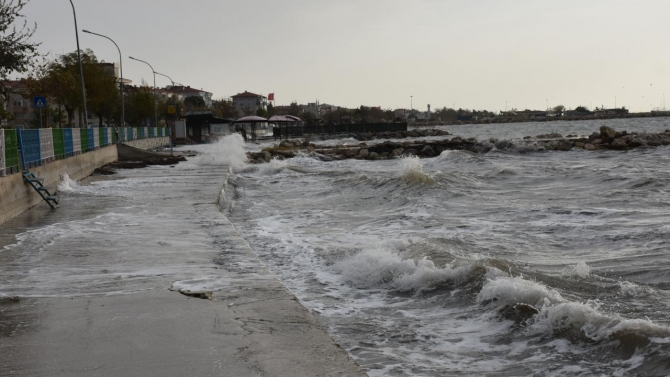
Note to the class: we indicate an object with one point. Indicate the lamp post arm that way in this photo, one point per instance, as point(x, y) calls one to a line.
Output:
point(123, 106)
point(155, 100)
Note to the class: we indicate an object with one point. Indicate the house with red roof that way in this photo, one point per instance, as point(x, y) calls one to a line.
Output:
point(248, 103)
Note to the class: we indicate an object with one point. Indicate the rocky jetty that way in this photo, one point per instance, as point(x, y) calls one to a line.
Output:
point(607, 138)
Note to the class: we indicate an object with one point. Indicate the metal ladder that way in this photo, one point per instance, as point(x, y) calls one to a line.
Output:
point(37, 185)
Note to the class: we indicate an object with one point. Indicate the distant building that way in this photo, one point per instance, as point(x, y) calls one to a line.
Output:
point(617, 111)
point(248, 103)
point(112, 69)
point(183, 92)
point(577, 113)
point(20, 109)
point(531, 114)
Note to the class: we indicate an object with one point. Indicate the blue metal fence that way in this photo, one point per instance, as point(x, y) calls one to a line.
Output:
point(35, 147)
point(30, 148)
point(68, 145)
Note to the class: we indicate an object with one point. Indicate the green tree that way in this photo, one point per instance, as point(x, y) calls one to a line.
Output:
point(16, 50)
point(59, 81)
point(139, 105)
point(224, 108)
point(582, 109)
point(261, 112)
point(307, 115)
point(194, 103)
point(558, 110)
point(294, 109)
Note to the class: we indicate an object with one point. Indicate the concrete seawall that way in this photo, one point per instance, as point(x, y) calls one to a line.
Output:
point(149, 143)
point(17, 196)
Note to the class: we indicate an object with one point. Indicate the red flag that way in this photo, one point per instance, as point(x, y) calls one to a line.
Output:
point(271, 97)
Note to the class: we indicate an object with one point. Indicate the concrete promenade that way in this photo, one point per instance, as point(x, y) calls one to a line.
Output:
point(98, 302)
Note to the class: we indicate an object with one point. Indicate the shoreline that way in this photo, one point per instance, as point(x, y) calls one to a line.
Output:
point(247, 323)
point(606, 139)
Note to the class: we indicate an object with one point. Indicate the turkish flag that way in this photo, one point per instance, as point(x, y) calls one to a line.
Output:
point(271, 97)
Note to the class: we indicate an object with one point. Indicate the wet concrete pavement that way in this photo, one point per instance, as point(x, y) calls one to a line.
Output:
point(91, 289)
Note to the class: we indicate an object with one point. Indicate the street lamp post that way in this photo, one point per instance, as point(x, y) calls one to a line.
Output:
point(155, 103)
point(164, 75)
point(123, 106)
point(175, 115)
point(81, 70)
point(411, 103)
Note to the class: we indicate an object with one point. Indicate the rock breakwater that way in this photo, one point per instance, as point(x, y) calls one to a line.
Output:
point(607, 138)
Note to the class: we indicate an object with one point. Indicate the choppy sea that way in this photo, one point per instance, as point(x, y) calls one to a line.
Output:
point(501, 264)
point(517, 262)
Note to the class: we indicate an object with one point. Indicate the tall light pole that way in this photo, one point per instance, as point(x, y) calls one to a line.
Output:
point(155, 103)
point(123, 106)
point(411, 103)
point(81, 70)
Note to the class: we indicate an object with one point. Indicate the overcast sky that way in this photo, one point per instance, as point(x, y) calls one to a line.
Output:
point(476, 54)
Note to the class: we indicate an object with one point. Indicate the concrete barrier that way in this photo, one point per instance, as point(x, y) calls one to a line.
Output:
point(17, 196)
point(155, 142)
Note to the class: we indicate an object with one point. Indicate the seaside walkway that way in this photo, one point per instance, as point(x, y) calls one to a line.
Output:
point(92, 288)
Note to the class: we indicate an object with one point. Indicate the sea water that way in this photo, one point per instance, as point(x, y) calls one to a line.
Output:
point(512, 262)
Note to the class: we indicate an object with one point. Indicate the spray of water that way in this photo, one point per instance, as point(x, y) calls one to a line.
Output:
point(228, 150)
point(412, 171)
point(66, 184)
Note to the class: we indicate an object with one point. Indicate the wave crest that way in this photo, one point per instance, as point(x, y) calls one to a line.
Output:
point(383, 268)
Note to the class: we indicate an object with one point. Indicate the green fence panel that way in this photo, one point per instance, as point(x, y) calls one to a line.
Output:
point(11, 150)
point(59, 143)
point(83, 135)
point(114, 132)
point(101, 136)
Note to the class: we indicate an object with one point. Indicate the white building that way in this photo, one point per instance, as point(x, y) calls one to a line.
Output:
point(248, 103)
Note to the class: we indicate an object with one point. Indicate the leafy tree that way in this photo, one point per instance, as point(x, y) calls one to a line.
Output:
point(194, 103)
point(558, 110)
point(582, 109)
point(294, 109)
point(16, 51)
point(261, 112)
point(224, 108)
point(271, 109)
point(59, 81)
point(139, 105)
point(307, 115)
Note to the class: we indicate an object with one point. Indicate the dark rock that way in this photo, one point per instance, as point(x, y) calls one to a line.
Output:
point(363, 153)
point(607, 134)
point(618, 144)
point(428, 151)
point(397, 152)
point(457, 140)
point(564, 146)
point(552, 135)
point(374, 156)
point(589, 147)
point(635, 143)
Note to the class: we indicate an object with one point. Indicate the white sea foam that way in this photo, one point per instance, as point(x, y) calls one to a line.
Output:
point(581, 269)
point(273, 167)
point(382, 267)
point(590, 321)
point(66, 184)
point(513, 290)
